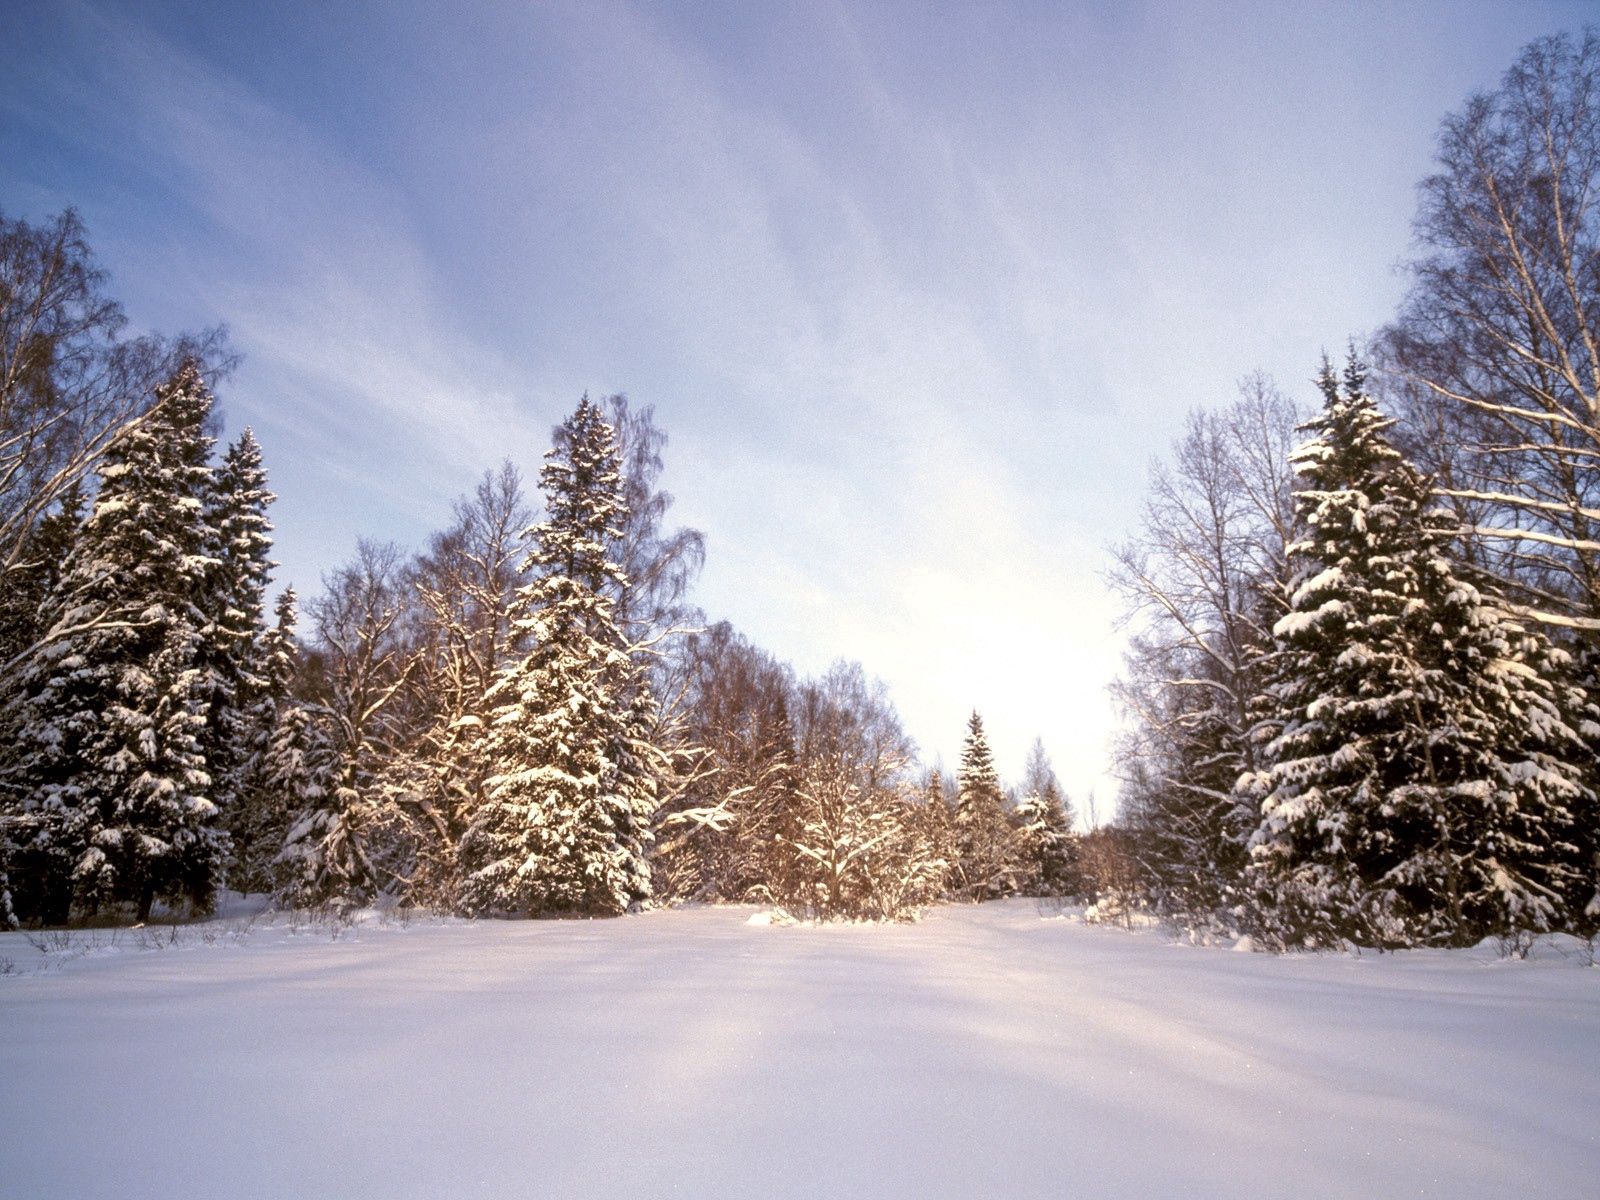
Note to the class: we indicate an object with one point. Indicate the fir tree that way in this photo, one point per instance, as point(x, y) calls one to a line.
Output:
point(570, 780)
point(114, 718)
point(983, 835)
point(1420, 784)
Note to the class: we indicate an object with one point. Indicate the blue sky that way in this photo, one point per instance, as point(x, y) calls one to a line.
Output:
point(918, 291)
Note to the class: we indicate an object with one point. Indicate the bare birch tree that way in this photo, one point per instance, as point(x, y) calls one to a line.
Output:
point(1495, 358)
point(71, 381)
point(1202, 583)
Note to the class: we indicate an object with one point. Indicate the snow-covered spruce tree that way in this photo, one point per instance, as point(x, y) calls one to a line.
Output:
point(25, 602)
point(570, 778)
point(8, 912)
point(938, 826)
point(1573, 694)
point(984, 838)
point(656, 565)
point(235, 608)
point(113, 718)
point(1583, 691)
point(1420, 784)
point(264, 806)
point(1046, 844)
point(32, 580)
point(324, 859)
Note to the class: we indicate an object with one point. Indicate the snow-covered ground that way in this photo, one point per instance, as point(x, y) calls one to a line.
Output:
point(983, 1052)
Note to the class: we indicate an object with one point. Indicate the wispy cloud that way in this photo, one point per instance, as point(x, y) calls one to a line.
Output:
point(916, 298)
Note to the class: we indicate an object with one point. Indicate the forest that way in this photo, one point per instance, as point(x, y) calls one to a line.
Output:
point(1360, 701)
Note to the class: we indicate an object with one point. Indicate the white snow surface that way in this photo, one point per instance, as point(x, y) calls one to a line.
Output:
point(993, 1050)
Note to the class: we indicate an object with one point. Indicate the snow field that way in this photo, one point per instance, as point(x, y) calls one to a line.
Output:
point(985, 1051)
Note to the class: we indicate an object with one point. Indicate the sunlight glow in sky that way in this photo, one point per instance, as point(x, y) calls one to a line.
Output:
point(918, 293)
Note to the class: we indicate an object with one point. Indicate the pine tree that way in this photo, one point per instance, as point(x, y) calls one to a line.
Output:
point(983, 835)
point(1420, 784)
point(570, 782)
point(114, 716)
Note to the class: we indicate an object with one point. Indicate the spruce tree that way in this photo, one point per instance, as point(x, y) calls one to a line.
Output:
point(939, 828)
point(570, 775)
point(1044, 828)
point(324, 859)
point(1420, 785)
point(113, 720)
point(24, 617)
point(983, 835)
point(24, 600)
point(265, 803)
point(773, 815)
point(234, 605)
point(1583, 676)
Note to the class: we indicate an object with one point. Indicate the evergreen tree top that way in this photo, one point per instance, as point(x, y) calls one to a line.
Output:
point(1348, 445)
point(977, 776)
point(242, 467)
point(584, 510)
point(145, 531)
point(285, 612)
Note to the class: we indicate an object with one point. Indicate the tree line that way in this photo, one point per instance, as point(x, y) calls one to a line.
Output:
point(1361, 693)
point(1361, 687)
point(528, 717)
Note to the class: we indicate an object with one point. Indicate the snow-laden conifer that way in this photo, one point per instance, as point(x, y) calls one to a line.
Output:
point(1044, 834)
point(234, 604)
point(984, 837)
point(325, 857)
point(25, 604)
point(1420, 785)
point(113, 713)
point(267, 798)
point(938, 825)
point(570, 781)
